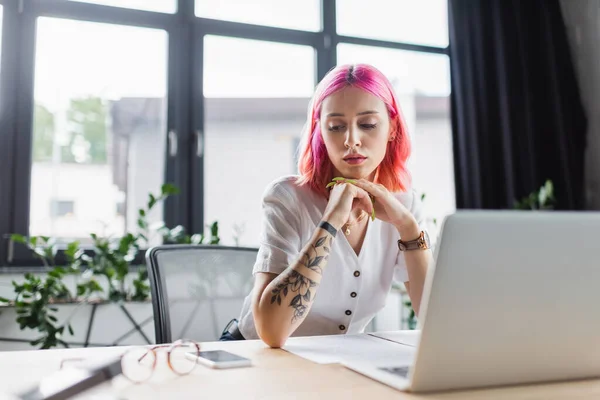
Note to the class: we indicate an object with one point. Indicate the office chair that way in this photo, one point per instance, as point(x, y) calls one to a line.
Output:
point(197, 289)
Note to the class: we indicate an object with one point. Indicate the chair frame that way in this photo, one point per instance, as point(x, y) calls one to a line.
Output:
point(160, 303)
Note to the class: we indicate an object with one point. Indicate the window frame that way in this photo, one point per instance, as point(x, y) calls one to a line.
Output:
point(185, 101)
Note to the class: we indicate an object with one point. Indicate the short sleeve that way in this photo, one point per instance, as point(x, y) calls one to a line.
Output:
point(280, 233)
point(416, 208)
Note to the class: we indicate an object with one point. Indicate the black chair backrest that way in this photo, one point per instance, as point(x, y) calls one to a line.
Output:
point(197, 289)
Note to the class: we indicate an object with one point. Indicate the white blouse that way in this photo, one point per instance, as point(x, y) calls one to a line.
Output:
point(353, 288)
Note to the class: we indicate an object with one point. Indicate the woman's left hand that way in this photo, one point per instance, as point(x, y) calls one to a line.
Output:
point(389, 209)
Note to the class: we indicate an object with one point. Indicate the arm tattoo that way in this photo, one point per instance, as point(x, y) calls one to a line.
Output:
point(314, 262)
point(298, 283)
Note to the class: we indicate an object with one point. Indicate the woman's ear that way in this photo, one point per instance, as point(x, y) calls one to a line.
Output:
point(393, 130)
point(392, 135)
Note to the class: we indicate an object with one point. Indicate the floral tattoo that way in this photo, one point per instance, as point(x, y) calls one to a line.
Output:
point(314, 262)
point(295, 283)
point(300, 285)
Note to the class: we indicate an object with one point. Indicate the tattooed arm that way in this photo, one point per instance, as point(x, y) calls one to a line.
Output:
point(281, 302)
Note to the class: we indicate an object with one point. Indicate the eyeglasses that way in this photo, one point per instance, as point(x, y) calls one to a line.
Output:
point(138, 363)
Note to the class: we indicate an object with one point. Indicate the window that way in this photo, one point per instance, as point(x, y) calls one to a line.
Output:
point(254, 114)
point(99, 124)
point(298, 14)
point(115, 94)
point(62, 208)
point(165, 6)
point(423, 22)
point(422, 83)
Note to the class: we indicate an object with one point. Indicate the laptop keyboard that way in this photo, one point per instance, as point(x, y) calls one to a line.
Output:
point(400, 371)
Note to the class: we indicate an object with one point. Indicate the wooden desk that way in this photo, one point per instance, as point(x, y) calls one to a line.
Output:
point(276, 375)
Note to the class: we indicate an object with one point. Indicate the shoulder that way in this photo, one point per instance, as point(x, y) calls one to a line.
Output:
point(288, 205)
point(287, 189)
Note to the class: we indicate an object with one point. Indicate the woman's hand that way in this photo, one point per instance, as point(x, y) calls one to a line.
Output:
point(389, 209)
point(343, 198)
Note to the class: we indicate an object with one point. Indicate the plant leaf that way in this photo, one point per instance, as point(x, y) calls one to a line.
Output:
point(18, 238)
point(169, 189)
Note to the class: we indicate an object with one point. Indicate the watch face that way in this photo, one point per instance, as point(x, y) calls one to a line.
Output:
point(424, 241)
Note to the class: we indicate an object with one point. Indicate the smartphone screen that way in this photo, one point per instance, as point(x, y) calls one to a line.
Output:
point(220, 356)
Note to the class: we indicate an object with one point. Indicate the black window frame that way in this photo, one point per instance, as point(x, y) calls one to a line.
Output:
point(185, 108)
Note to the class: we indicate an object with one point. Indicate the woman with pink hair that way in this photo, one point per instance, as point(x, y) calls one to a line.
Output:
point(335, 237)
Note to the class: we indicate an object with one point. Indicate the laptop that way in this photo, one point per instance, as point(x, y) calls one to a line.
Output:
point(513, 298)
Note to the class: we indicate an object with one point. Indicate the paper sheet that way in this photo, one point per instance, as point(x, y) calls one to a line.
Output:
point(409, 338)
point(350, 348)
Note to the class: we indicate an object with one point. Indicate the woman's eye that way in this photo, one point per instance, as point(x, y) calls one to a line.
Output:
point(368, 126)
point(336, 128)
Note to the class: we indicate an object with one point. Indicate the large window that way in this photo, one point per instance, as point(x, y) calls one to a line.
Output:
point(110, 99)
point(420, 22)
point(422, 83)
point(98, 127)
point(166, 6)
point(295, 14)
point(256, 99)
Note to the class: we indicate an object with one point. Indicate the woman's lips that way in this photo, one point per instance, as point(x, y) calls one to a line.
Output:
point(355, 160)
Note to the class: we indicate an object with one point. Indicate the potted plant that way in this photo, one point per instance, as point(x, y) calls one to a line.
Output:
point(40, 301)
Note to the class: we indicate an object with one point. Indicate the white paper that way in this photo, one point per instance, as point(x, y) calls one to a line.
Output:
point(409, 338)
point(363, 348)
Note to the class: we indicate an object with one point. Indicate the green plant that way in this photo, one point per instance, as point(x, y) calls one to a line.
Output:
point(178, 235)
point(412, 316)
point(35, 296)
point(110, 260)
point(541, 199)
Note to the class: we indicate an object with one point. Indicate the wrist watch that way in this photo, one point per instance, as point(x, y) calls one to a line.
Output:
point(420, 243)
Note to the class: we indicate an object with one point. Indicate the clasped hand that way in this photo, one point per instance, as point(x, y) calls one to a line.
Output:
point(347, 195)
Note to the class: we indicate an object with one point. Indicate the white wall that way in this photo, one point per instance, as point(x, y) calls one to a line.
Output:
point(241, 159)
point(582, 18)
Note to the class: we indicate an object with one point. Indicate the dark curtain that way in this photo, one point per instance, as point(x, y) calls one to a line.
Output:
point(517, 116)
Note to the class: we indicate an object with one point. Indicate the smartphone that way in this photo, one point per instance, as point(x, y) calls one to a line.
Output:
point(219, 359)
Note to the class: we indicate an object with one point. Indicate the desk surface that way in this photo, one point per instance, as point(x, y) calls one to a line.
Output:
point(276, 374)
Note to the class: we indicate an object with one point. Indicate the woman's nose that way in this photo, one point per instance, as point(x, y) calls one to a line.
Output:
point(352, 138)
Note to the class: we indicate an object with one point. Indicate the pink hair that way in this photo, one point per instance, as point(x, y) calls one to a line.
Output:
point(316, 170)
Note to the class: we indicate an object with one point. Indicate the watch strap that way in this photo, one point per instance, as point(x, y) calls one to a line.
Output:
point(420, 243)
point(328, 227)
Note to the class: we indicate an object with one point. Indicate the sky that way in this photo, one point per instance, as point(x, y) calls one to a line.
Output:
point(75, 58)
